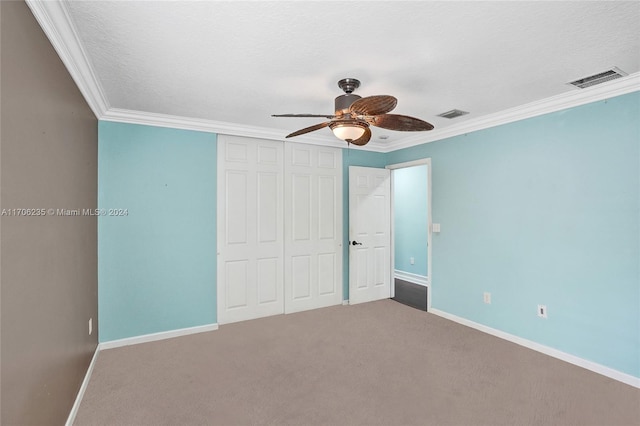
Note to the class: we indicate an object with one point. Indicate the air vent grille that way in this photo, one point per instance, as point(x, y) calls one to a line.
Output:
point(453, 113)
point(599, 78)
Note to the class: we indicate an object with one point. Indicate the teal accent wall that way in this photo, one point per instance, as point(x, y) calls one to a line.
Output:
point(157, 265)
point(353, 157)
point(544, 211)
point(410, 221)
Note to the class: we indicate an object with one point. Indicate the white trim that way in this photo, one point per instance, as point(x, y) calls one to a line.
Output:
point(55, 21)
point(429, 234)
point(572, 359)
point(345, 302)
point(412, 278)
point(570, 99)
point(157, 336)
point(219, 127)
point(392, 218)
point(419, 162)
point(76, 405)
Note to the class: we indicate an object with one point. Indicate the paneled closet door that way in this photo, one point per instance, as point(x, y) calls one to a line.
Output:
point(313, 227)
point(250, 228)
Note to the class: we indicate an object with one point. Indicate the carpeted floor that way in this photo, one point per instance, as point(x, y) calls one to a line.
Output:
point(379, 363)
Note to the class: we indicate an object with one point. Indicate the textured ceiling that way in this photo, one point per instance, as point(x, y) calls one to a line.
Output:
point(240, 62)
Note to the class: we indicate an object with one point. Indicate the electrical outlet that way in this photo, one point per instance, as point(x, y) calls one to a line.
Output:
point(542, 311)
point(487, 298)
point(90, 326)
point(412, 260)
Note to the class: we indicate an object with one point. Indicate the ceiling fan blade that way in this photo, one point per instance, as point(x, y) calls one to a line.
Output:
point(373, 105)
point(304, 115)
point(364, 139)
point(309, 129)
point(402, 123)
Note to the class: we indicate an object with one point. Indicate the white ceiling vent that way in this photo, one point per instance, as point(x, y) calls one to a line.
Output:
point(453, 113)
point(602, 77)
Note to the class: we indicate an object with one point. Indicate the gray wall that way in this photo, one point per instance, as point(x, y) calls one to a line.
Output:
point(48, 264)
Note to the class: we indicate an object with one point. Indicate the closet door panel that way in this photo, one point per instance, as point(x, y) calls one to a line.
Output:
point(250, 228)
point(313, 227)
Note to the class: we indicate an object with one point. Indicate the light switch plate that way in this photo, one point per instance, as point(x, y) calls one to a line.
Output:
point(436, 227)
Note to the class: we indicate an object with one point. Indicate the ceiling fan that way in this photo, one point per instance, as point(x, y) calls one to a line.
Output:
point(354, 114)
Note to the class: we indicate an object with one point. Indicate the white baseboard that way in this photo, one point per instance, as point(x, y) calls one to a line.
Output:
point(83, 388)
point(412, 278)
point(157, 336)
point(572, 359)
point(345, 302)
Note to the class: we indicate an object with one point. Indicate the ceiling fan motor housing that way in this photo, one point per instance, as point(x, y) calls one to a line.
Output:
point(343, 102)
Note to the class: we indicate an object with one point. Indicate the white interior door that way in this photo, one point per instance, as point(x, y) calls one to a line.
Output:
point(313, 227)
point(250, 228)
point(369, 234)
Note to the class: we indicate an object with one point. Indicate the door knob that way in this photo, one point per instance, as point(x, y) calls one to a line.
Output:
point(355, 243)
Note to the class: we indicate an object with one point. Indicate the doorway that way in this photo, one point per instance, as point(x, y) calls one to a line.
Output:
point(411, 233)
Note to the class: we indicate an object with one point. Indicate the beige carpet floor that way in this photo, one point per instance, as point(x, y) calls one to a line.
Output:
point(380, 363)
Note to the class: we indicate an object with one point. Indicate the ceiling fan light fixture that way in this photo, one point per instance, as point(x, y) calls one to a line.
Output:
point(354, 114)
point(348, 131)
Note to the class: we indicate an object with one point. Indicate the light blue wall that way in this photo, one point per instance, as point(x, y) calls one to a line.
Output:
point(156, 266)
point(544, 211)
point(353, 157)
point(541, 211)
point(410, 221)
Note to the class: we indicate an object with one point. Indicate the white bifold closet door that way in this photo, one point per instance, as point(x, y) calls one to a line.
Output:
point(250, 228)
point(313, 227)
point(279, 228)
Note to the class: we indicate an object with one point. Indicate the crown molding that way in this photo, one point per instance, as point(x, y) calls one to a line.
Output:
point(577, 97)
point(621, 86)
point(57, 24)
point(55, 21)
point(211, 126)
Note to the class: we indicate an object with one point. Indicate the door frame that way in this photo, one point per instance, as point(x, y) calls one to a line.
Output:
point(392, 167)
